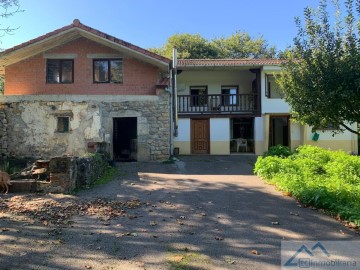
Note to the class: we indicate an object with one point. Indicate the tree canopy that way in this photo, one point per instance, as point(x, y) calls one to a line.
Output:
point(321, 77)
point(238, 45)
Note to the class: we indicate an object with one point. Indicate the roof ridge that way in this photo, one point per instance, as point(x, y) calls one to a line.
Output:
point(77, 24)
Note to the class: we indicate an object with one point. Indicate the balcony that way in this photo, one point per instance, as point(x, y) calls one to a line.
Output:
point(221, 104)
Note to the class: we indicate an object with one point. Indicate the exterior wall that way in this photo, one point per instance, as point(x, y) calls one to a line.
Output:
point(220, 136)
point(31, 124)
point(271, 105)
point(214, 80)
point(28, 77)
point(182, 141)
point(344, 141)
point(301, 135)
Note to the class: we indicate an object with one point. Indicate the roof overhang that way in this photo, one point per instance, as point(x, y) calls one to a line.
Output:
point(227, 64)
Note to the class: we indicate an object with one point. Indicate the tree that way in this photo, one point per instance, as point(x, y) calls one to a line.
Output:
point(238, 45)
point(8, 8)
point(188, 46)
point(242, 45)
point(321, 77)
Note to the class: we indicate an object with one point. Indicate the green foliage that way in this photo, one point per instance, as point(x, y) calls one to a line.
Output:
point(108, 175)
point(8, 166)
point(1, 85)
point(238, 45)
point(279, 151)
point(188, 46)
point(318, 177)
point(320, 79)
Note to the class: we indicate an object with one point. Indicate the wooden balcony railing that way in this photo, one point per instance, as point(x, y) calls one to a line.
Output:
point(217, 104)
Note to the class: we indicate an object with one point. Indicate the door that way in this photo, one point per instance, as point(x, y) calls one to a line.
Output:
point(200, 136)
point(124, 138)
point(279, 131)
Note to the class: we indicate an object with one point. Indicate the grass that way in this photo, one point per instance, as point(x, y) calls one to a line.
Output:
point(324, 179)
point(106, 177)
point(186, 259)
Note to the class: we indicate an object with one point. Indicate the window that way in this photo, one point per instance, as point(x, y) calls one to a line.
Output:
point(229, 95)
point(108, 71)
point(59, 71)
point(63, 124)
point(198, 95)
point(272, 88)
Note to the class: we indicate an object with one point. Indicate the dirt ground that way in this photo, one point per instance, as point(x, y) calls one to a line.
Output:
point(199, 213)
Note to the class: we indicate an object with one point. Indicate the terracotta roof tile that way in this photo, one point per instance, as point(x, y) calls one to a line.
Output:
point(77, 24)
point(226, 62)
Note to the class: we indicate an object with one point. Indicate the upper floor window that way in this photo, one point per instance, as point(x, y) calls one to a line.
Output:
point(198, 95)
point(272, 87)
point(108, 71)
point(59, 71)
point(229, 95)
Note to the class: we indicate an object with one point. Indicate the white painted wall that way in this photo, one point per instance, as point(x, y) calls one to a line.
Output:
point(220, 129)
point(183, 130)
point(295, 131)
point(214, 80)
point(328, 135)
point(259, 128)
point(271, 105)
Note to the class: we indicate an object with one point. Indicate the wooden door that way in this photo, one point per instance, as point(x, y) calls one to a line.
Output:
point(200, 136)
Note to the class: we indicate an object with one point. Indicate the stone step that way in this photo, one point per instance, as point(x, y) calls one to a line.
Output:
point(27, 186)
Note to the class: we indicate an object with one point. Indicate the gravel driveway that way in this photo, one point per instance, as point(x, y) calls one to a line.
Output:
point(202, 212)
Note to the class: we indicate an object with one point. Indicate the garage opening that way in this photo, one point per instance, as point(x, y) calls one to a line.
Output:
point(125, 138)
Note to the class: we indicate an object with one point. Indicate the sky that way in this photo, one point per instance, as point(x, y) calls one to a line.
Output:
point(149, 23)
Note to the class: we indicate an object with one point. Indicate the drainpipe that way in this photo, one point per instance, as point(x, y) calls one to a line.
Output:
point(171, 110)
point(175, 106)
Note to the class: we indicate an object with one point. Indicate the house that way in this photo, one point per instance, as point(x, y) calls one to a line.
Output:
point(234, 106)
point(77, 89)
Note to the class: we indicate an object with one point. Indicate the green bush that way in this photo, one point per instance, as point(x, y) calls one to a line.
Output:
point(318, 177)
point(278, 151)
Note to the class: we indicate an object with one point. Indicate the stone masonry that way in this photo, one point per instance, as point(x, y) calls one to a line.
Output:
point(28, 124)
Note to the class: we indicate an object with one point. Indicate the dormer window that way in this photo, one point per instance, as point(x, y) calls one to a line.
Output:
point(60, 71)
point(108, 71)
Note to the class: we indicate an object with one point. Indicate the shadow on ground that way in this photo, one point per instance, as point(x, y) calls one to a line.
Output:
point(199, 213)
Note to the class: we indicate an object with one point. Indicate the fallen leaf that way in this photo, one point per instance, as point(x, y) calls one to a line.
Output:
point(275, 223)
point(88, 266)
point(153, 223)
point(255, 252)
point(219, 238)
point(177, 258)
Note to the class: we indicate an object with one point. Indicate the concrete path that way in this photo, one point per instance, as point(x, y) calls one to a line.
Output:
point(202, 212)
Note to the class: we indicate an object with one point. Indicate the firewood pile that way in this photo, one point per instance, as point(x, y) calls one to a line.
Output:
point(39, 170)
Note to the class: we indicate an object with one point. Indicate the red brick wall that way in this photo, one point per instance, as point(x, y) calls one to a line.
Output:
point(28, 77)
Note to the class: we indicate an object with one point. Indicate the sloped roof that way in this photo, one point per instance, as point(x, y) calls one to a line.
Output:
point(214, 63)
point(71, 32)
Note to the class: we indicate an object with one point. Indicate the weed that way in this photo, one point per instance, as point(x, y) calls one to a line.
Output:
point(318, 177)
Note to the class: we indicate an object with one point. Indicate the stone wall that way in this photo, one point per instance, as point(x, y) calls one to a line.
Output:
point(29, 124)
point(68, 173)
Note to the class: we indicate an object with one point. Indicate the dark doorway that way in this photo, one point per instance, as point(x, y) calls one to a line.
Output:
point(242, 135)
point(124, 138)
point(279, 130)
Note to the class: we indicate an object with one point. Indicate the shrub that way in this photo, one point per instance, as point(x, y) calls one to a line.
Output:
point(318, 177)
point(278, 151)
